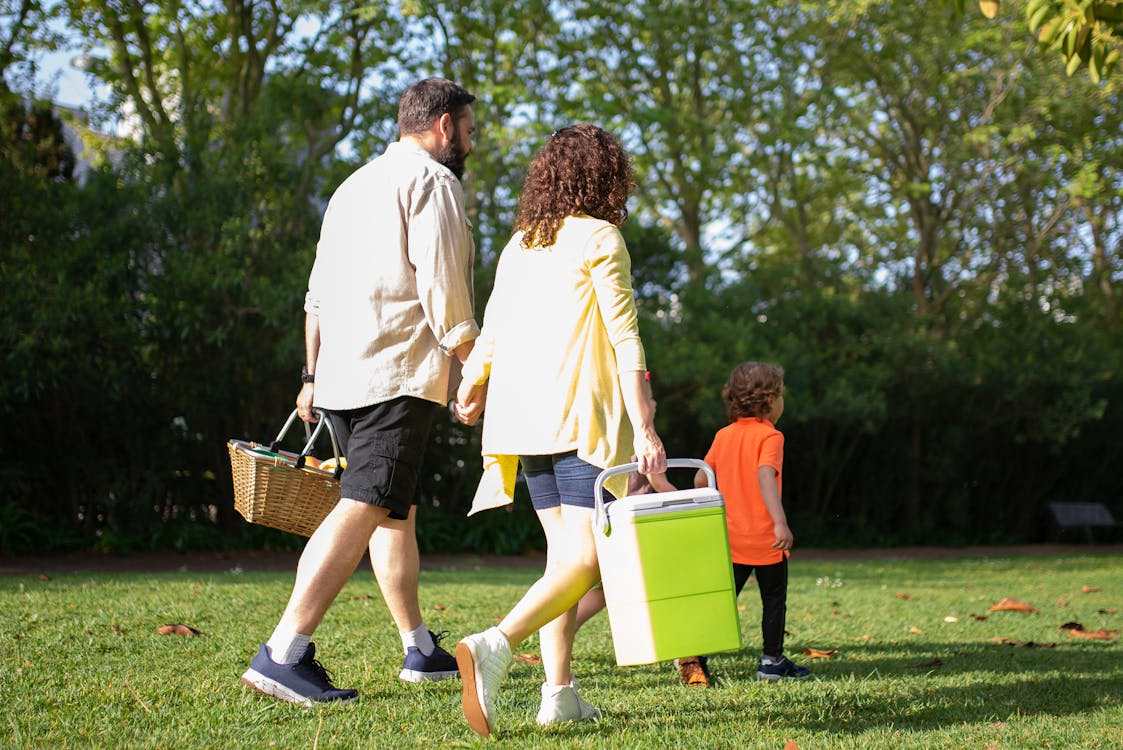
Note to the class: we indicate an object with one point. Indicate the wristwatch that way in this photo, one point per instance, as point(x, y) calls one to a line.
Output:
point(307, 377)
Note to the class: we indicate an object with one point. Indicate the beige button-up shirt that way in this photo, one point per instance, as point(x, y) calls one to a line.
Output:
point(392, 283)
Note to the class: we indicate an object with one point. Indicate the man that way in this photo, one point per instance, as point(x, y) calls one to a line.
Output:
point(389, 305)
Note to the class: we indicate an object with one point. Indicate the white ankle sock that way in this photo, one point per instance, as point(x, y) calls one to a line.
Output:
point(420, 638)
point(287, 646)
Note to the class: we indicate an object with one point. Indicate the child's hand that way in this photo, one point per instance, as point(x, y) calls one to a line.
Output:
point(783, 534)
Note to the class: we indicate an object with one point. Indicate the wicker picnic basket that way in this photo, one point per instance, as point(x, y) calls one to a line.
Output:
point(280, 489)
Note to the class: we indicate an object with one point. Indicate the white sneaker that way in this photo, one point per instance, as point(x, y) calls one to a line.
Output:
point(483, 659)
point(562, 703)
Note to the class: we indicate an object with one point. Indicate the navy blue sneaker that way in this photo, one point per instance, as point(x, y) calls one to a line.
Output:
point(781, 670)
point(304, 682)
point(439, 665)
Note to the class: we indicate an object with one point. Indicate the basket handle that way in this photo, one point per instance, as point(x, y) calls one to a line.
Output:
point(600, 517)
point(300, 459)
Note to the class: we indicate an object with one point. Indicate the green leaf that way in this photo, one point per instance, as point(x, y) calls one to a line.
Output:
point(1048, 33)
point(1072, 65)
point(1037, 17)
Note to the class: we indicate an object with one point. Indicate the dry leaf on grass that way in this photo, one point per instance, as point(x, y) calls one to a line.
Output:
point(949, 618)
point(980, 618)
point(1013, 605)
point(1089, 589)
point(1099, 635)
point(1062, 602)
point(439, 607)
point(529, 658)
point(928, 664)
point(840, 614)
point(176, 628)
point(1106, 611)
point(44, 577)
point(819, 653)
point(791, 745)
point(916, 631)
point(906, 597)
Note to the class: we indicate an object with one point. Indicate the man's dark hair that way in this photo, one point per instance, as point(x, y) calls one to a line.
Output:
point(427, 100)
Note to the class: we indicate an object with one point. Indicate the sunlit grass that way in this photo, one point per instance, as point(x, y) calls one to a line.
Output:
point(83, 666)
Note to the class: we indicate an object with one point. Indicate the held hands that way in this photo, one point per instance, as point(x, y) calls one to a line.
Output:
point(470, 401)
point(784, 537)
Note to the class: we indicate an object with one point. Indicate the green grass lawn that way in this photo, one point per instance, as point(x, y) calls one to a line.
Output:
point(82, 665)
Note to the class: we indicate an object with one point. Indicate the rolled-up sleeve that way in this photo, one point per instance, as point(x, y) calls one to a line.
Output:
point(610, 268)
point(441, 251)
point(316, 280)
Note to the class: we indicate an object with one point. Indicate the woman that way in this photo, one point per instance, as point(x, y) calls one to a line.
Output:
point(562, 365)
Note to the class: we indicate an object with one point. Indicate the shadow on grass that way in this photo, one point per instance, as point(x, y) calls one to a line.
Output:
point(878, 686)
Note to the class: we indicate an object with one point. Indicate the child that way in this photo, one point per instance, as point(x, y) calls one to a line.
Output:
point(747, 456)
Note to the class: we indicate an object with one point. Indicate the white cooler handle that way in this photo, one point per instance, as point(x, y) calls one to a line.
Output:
point(600, 517)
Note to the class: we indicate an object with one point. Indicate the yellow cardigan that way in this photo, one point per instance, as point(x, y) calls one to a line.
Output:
point(560, 326)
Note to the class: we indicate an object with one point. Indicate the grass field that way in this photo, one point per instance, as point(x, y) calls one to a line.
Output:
point(917, 665)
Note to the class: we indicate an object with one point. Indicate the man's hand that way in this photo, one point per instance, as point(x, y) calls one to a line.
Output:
point(304, 403)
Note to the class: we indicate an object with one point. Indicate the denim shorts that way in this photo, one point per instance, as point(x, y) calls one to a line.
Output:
point(384, 445)
point(560, 479)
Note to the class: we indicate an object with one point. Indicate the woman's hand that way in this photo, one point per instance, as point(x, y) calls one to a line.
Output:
point(650, 455)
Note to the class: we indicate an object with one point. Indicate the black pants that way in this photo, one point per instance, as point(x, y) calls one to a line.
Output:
point(772, 580)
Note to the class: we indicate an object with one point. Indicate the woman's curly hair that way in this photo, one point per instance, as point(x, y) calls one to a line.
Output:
point(581, 169)
point(751, 388)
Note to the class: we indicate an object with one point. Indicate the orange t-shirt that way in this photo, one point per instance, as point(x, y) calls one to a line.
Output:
point(737, 452)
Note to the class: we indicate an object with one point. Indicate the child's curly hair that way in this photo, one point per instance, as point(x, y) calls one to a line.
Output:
point(751, 388)
point(581, 169)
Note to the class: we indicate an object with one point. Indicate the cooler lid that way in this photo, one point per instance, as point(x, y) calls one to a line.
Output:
point(664, 502)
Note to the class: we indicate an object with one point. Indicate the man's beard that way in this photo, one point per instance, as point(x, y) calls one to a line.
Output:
point(453, 157)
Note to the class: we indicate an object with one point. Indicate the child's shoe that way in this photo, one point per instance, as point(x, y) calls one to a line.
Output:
point(780, 669)
point(562, 703)
point(692, 671)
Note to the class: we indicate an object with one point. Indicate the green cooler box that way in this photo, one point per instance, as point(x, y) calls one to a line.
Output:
point(666, 571)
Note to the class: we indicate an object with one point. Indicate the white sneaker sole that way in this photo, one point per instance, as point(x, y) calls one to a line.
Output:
point(778, 677)
point(411, 675)
point(471, 698)
point(263, 684)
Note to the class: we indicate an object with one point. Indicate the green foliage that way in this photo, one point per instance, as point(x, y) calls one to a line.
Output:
point(1084, 33)
point(913, 214)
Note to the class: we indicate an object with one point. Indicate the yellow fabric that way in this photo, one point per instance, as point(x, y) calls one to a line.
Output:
point(560, 326)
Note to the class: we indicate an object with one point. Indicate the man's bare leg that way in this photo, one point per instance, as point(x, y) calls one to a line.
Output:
point(286, 666)
point(328, 561)
point(397, 566)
